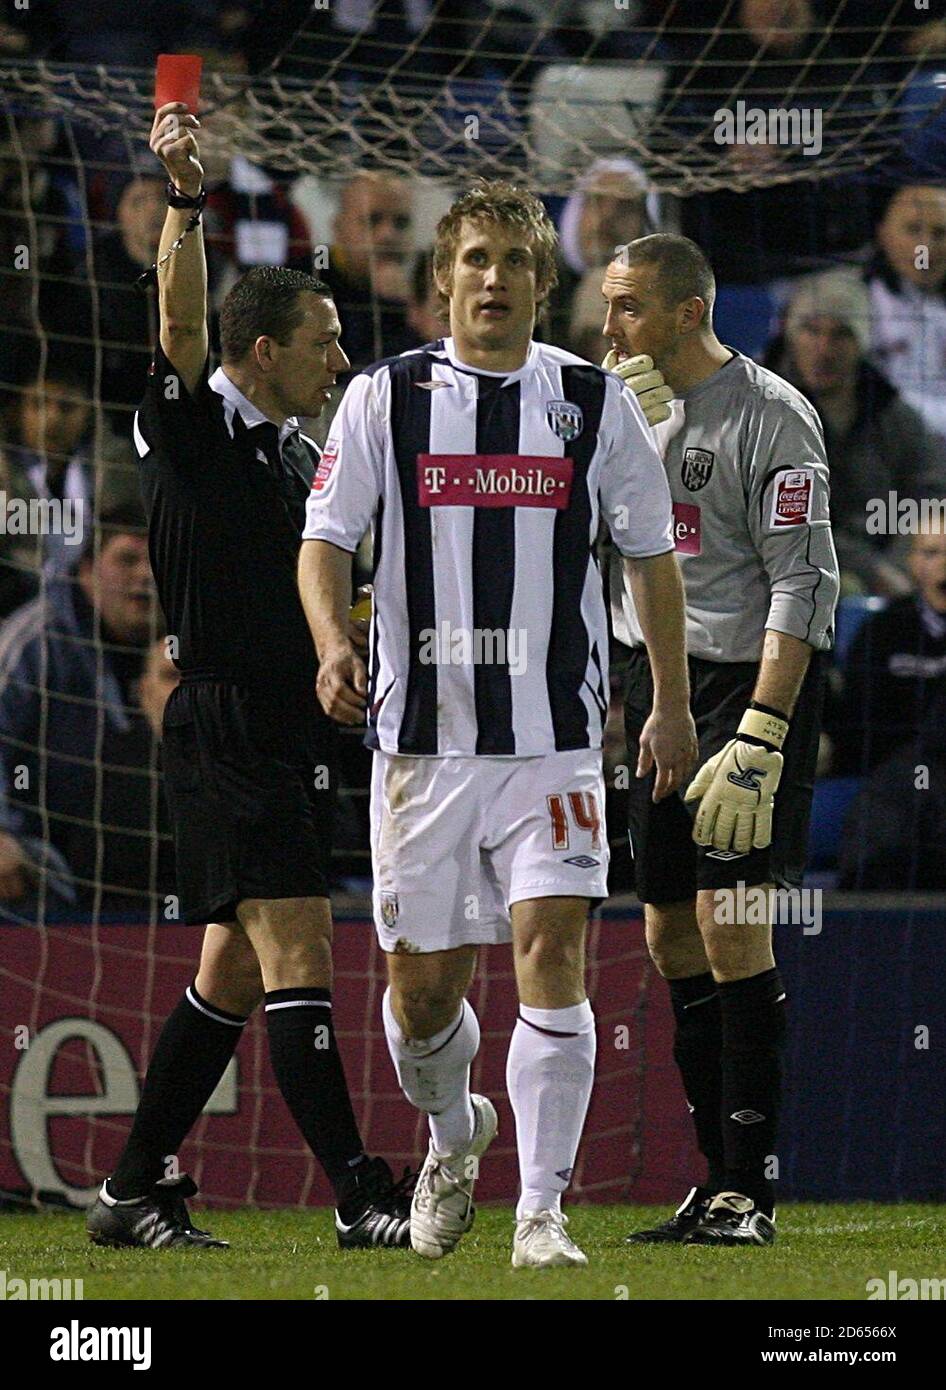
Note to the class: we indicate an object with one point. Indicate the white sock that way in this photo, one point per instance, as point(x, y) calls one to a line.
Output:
point(435, 1074)
point(549, 1072)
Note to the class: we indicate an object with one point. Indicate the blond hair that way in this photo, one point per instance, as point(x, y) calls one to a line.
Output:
point(507, 206)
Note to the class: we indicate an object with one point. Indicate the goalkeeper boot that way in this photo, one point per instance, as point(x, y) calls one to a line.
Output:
point(685, 1219)
point(157, 1221)
point(733, 1219)
point(377, 1214)
point(541, 1242)
point(443, 1210)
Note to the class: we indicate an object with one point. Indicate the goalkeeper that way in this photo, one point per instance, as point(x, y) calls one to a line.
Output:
point(745, 460)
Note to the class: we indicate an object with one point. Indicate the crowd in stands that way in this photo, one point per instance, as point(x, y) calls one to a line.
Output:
point(858, 325)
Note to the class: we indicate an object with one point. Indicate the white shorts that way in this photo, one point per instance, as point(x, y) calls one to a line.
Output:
point(456, 841)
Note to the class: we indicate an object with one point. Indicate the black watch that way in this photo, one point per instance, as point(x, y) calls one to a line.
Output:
point(177, 199)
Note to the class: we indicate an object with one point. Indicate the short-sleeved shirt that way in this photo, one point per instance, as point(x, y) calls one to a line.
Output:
point(745, 459)
point(225, 491)
point(485, 491)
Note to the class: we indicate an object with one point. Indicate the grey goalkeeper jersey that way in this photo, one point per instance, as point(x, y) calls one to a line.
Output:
point(745, 459)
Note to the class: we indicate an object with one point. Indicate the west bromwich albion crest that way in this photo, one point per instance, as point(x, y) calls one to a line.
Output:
point(565, 419)
point(697, 468)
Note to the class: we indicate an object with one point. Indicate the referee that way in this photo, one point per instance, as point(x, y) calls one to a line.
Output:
point(745, 459)
point(249, 757)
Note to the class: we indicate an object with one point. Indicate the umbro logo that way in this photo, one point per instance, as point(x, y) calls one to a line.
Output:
point(583, 861)
point(746, 1117)
point(431, 385)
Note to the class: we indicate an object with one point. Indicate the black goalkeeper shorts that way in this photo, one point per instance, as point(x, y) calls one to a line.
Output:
point(251, 799)
point(668, 865)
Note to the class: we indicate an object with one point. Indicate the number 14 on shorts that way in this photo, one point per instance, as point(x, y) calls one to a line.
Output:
point(582, 807)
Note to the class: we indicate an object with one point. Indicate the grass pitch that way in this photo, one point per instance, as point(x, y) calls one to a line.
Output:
point(822, 1252)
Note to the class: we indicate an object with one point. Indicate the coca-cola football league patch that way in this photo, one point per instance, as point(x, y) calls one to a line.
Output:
point(792, 491)
point(326, 464)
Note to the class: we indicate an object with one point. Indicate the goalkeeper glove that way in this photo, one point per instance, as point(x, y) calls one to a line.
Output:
point(736, 788)
point(645, 381)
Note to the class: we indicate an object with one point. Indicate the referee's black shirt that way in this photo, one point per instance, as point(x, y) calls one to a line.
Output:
point(225, 492)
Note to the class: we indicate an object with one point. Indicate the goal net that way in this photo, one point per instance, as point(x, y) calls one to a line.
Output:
point(538, 91)
point(816, 104)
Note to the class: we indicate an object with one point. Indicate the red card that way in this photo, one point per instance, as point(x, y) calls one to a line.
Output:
point(178, 79)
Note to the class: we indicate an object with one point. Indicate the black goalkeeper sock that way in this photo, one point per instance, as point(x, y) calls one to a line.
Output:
point(698, 1053)
point(191, 1055)
point(311, 1078)
point(753, 1013)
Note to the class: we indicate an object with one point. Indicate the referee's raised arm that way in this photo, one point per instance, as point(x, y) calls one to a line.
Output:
point(182, 277)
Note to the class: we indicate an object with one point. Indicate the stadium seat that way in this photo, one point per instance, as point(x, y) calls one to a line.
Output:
point(745, 317)
point(851, 613)
point(833, 796)
point(924, 124)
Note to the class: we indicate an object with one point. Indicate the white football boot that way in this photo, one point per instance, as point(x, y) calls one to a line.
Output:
point(541, 1242)
point(442, 1209)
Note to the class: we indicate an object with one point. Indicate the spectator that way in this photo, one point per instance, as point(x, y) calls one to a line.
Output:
point(890, 723)
point(583, 334)
point(766, 54)
point(113, 32)
point(368, 266)
point(41, 232)
point(127, 315)
point(249, 220)
point(47, 455)
point(349, 39)
point(894, 677)
point(905, 28)
point(19, 551)
point(77, 795)
point(159, 677)
point(424, 307)
point(907, 283)
point(51, 453)
point(876, 442)
point(612, 204)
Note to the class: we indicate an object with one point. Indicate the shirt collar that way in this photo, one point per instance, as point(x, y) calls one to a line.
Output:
point(250, 414)
point(708, 383)
point(532, 358)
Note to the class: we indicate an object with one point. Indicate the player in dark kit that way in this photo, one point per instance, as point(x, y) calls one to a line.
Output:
point(745, 460)
point(248, 754)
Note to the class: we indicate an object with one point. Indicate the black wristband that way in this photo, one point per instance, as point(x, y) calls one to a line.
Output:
point(769, 709)
point(177, 199)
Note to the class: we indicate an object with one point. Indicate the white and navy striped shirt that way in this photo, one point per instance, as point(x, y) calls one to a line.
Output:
point(484, 489)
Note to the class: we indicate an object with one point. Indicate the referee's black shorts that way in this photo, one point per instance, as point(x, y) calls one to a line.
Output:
point(668, 865)
point(250, 796)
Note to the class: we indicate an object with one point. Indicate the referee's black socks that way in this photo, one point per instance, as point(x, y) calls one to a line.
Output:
point(753, 1019)
point(191, 1055)
point(698, 1052)
point(310, 1076)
